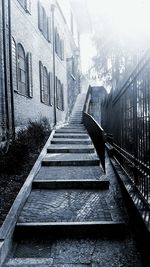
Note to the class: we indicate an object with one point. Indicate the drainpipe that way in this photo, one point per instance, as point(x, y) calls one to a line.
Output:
point(5, 69)
point(11, 71)
point(54, 67)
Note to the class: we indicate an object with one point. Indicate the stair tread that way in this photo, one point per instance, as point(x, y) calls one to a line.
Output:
point(82, 146)
point(70, 173)
point(69, 205)
point(71, 156)
point(73, 134)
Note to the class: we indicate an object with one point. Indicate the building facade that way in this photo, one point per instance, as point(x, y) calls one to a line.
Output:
point(42, 41)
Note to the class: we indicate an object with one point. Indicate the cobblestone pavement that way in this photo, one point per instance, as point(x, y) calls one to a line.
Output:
point(65, 205)
point(81, 252)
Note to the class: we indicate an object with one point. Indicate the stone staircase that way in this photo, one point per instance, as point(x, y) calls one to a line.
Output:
point(70, 212)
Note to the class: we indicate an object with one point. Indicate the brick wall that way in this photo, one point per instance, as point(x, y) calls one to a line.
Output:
point(25, 31)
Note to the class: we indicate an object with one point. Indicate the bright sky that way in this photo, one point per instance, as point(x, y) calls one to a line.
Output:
point(127, 18)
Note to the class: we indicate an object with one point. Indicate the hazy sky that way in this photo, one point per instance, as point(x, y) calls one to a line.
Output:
point(127, 17)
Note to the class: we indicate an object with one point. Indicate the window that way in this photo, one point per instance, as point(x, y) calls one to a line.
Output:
point(59, 95)
point(59, 45)
point(44, 23)
point(26, 4)
point(45, 84)
point(24, 71)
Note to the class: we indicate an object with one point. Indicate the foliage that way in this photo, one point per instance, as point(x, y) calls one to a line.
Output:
point(115, 56)
point(26, 142)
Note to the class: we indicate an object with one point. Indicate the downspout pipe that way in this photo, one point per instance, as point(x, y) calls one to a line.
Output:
point(11, 71)
point(5, 69)
point(54, 67)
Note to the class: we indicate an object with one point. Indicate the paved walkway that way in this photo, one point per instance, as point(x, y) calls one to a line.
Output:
point(74, 216)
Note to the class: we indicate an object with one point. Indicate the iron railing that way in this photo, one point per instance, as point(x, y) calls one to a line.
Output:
point(95, 130)
point(126, 116)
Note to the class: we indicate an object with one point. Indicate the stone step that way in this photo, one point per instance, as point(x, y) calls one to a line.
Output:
point(77, 119)
point(72, 122)
point(68, 206)
point(71, 130)
point(73, 184)
point(70, 159)
point(70, 173)
point(71, 135)
point(59, 230)
point(39, 262)
point(78, 125)
point(48, 162)
point(70, 141)
point(70, 149)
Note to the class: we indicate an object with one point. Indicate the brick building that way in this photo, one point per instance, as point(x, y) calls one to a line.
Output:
point(40, 51)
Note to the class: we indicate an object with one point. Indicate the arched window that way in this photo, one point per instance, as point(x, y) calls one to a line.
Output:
point(22, 71)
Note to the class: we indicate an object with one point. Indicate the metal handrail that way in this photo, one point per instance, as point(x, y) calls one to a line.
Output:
point(97, 135)
point(86, 104)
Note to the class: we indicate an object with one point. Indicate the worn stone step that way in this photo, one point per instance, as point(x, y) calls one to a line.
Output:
point(70, 173)
point(69, 206)
point(70, 149)
point(86, 162)
point(70, 141)
point(78, 125)
point(67, 130)
point(39, 262)
point(70, 159)
point(73, 122)
point(76, 119)
point(71, 135)
point(73, 184)
point(70, 230)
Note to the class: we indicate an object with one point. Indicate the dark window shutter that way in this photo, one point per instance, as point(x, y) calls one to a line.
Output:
point(62, 96)
point(51, 91)
point(49, 29)
point(59, 46)
point(29, 74)
point(57, 94)
point(14, 65)
point(44, 23)
point(41, 81)
point(56, 42)
point(28, 6)
point(40, 17)
point(62, 50)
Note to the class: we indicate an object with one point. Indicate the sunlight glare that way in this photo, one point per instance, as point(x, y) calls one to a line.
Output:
point(125, 16)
